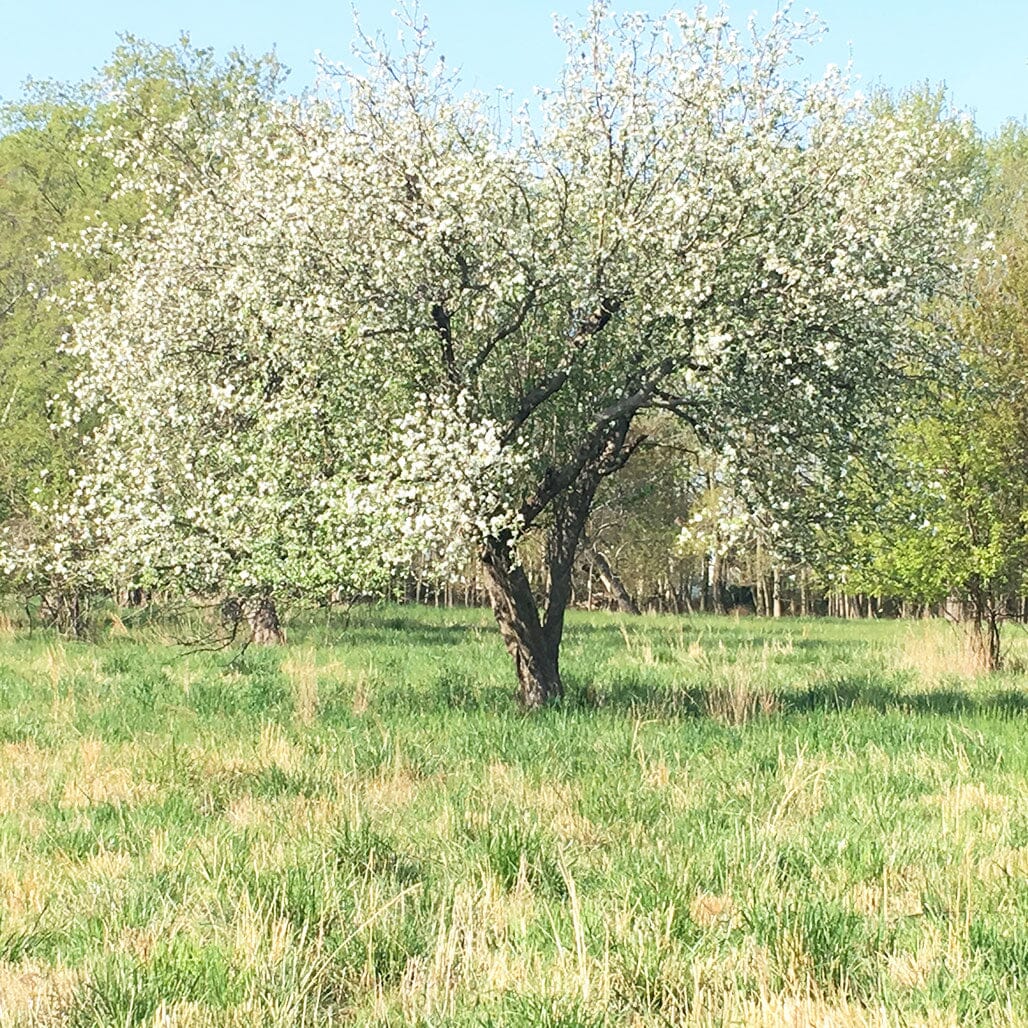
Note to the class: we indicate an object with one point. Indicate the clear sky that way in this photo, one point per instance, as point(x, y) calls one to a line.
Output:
point(978, 48)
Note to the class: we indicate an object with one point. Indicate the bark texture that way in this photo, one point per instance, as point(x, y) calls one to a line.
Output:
point(559, 506)
point(265, 628)
point(985, 638)
point(532, 637)
point(513, 603)
point(985, 611)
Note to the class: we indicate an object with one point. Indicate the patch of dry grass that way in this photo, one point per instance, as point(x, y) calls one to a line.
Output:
point(937, 650)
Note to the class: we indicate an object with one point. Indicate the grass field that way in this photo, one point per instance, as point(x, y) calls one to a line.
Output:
point(728, 822)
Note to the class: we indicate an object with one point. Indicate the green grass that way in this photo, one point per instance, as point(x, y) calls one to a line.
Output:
point(727, 822)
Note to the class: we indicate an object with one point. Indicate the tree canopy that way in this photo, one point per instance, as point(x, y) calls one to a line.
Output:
point(953, 525)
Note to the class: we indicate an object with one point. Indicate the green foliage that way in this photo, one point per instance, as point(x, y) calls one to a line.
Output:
point(56, 180)
point(953, 522)
point(46, 190)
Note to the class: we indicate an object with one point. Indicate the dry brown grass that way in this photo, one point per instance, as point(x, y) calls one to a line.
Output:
point(937, 650)
point(26, 778)
point(301, 668)
point(707, 910)
point(117, 629)
point(803, 794)
point(739, 687)
point(275, 750)
point(35, 994)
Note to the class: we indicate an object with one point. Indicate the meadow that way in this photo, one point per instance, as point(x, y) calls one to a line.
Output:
point(728, 821)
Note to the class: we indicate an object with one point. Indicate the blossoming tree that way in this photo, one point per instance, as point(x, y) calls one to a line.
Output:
point(404, 320)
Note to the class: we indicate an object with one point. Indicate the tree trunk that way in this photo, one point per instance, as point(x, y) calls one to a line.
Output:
point(535, 658)
point(985, 643)
point(610, 578)
point(718, 593)
point(265, 628)
point(985, 621)
point(776, 592)
point(62, 609)
point(533, 640)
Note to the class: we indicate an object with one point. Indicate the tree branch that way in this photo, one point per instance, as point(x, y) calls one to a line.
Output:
point(595, 323)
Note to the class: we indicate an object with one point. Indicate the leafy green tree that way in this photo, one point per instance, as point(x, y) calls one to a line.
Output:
point(58, 178)
point(46, 191)
point(953, 527)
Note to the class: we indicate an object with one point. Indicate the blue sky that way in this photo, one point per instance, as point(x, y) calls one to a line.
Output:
point(979, 50)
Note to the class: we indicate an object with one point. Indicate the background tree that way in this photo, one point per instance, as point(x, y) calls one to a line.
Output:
point(57, 178)
point(629, 551)
point(954, 528)
point(46, 191)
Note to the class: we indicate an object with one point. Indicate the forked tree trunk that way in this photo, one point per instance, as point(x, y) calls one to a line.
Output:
point(535, 657)
point(265, 627)
point(533, 640)
point(985, 643)
point(986, 611)
point(984, 628)
point(532, 631)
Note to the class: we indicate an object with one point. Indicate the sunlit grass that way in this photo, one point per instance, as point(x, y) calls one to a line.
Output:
point(728, 821)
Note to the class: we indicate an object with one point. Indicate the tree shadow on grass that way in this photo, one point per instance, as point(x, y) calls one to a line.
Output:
point(849, 695)
point(709, 631)
point(386, 632)
point(412, 634)
point(642, 698)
